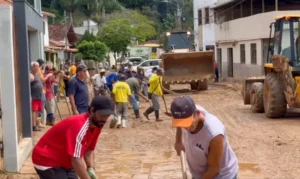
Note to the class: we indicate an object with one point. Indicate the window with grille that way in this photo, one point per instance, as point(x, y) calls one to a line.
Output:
point(207, 15)
point(242, 53)
point(199, 17)
point(253, 54)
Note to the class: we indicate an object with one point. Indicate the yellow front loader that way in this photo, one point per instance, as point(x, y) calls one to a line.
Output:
point(280, 87)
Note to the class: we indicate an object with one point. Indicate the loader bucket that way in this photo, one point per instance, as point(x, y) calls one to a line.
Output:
point(187, 67)
point(246, 89)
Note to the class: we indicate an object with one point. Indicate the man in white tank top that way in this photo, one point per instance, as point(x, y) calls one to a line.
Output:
point(203, 137)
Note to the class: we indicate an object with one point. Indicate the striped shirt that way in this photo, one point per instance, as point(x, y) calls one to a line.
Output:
point(70, 138)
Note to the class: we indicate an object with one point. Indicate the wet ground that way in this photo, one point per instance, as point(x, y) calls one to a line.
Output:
point(265, 148)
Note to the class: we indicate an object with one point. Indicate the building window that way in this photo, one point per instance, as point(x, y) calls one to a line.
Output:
point(253, 54)
point(242, 53)
point(207, 15)
point(199, 17)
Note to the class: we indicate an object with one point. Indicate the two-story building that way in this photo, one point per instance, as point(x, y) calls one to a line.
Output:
point(204, 26)
point(242, 33)
point(21, 41)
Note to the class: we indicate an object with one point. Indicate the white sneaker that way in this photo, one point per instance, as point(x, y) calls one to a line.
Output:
point(124, 124)
point(119, 121)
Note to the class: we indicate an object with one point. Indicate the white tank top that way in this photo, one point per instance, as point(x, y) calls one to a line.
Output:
point(197, 145)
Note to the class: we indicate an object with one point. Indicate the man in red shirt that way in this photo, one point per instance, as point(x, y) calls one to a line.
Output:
point(66, 150)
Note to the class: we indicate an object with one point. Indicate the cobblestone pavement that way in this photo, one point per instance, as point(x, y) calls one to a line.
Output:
point(266, 148)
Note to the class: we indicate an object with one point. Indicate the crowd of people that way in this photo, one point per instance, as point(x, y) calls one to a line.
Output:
point(71, 155)
point(126, 87)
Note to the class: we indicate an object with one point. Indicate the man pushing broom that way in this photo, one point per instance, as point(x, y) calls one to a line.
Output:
point(203, 137)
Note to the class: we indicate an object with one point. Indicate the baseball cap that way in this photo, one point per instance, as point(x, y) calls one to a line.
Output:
point(183, 109)
point(81, 67)
point(103, 105)
point(102, 70)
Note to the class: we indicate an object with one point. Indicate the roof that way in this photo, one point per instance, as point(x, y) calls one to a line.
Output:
point(81, 30)
point(47, 14)
point(56, 43)
point(222, 4)
point(58, 32)
point(288, 15)
point(151, 43)
point(6, 2)
point(61, 48)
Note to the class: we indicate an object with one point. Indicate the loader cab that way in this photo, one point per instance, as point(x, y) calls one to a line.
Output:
point(286, 40)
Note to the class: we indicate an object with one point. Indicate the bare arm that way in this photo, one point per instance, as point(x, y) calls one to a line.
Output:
point(31, 77)
point(178, 135)
point(215, 154)
point(140, 94)
point(179, 146)
point(73, 106)
point(89, 158)
point(79, 167)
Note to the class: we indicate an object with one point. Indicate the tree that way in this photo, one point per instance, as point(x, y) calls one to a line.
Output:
point(70, 6)
point(91, 50)
point(90, 7)
point(116, 35)
point(142, 28)
point(87, 36)
point(104, 7)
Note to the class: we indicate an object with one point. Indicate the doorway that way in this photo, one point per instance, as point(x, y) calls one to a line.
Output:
point(219, 61)
point(230, 62)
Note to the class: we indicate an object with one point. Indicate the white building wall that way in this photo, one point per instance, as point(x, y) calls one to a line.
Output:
point(46, 30)
point(208, 35)
point(242, 70)
point(252, 27)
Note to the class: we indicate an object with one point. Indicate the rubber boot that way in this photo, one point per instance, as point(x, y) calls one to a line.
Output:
point(124, 124)
point(157, 116)
point(137, 113)
point(147, 112)
point(119, 121)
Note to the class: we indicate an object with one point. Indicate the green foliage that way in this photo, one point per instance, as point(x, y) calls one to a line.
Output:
point(87, 37)
point(91, 50)
point(116, 35)
point(141, 27)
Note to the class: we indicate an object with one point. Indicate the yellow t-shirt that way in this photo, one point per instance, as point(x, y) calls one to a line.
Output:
point(72, 71)
point(122, 91)
point(155, 87)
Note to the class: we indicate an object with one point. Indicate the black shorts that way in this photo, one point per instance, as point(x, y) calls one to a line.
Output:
point(56, 173)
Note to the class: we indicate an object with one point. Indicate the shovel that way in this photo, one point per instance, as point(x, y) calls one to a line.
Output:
point(167, 113)
point(183, 165)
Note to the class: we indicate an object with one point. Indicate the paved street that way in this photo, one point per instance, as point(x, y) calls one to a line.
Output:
point(266, 148)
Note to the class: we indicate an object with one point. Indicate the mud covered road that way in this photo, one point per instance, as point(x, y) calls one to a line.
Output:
point(265, 148)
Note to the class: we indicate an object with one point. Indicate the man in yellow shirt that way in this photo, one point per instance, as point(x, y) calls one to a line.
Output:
point(122, 96)
point(154, 92)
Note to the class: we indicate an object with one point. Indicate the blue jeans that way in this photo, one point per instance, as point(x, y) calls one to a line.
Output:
point(43, 103)
point(134, 102)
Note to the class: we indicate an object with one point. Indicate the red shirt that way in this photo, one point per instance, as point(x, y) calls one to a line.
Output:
point(70, 138)
point(215, 65)
point(49, 90)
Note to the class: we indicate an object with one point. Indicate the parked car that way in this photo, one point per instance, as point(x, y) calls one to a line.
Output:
point(148, 64)
point(135, 60)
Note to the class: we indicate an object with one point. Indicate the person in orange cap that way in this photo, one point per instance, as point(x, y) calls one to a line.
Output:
point(203, 137)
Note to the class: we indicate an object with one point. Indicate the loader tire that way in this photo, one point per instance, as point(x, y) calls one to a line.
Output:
point(199, 85)
point(257, 98)
point(274, 98)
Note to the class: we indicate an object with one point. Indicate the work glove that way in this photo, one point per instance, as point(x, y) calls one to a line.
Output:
point(92, 173)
